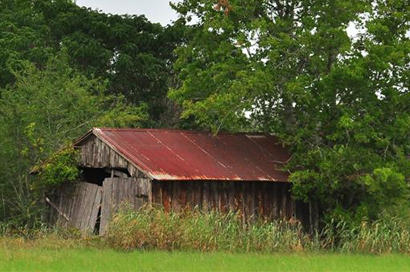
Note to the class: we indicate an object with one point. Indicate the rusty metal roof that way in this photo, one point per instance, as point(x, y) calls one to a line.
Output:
point(187, 155)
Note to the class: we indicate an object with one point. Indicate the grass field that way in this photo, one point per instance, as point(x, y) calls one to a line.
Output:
point(92, 259)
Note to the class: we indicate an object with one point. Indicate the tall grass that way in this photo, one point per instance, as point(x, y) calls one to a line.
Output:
point(152, 228)
point(387, 235)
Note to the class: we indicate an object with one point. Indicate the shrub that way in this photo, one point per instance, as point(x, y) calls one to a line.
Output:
point(61, 168)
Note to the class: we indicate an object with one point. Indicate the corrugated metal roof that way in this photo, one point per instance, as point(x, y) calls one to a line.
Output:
point(187, 155)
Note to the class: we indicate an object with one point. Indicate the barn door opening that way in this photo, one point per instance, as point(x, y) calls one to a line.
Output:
point(122, 190)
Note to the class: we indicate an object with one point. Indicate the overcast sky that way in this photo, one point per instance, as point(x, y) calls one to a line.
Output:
point(157, 11)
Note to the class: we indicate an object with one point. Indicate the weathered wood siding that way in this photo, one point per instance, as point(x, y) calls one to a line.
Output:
point(77, 205)
point(117, 191)
point(96, 154)
point(268, 200)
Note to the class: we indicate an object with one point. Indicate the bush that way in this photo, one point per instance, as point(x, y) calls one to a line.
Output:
point(61, 168)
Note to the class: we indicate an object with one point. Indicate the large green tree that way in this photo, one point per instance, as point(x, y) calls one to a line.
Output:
point(44, 110)
point(134, 55)
point(289, 67)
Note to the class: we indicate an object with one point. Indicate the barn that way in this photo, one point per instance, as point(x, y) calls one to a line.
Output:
point(175, 169)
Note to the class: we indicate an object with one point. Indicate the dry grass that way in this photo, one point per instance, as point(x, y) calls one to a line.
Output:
point(48, 239)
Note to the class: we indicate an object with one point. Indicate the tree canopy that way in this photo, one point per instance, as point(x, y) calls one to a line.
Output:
point(340, 102)
point(134, 55)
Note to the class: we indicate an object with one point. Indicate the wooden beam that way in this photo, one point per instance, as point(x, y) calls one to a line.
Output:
point(57, 209)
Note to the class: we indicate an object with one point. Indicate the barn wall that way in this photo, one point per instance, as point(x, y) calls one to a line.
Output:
point(95, 153)
point(268, 200)
point(75, 205)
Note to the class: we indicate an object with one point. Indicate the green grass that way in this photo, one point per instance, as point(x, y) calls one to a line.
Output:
point(93, 259)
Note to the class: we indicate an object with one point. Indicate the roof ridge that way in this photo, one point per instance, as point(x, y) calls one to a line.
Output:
point(181, 130)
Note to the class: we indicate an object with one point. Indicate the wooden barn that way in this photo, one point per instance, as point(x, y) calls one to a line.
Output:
point(175, 169)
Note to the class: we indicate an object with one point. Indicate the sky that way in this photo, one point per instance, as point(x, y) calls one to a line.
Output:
point(157, 11)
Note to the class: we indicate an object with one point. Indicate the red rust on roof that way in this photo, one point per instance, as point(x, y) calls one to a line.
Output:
point(187, 155)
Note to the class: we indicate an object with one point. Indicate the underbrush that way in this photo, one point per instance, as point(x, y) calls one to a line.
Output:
point(152, 228)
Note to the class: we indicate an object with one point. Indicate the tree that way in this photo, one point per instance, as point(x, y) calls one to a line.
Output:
point(23, 36)
point(42, 112)
point(290, 68)
point(132, 54)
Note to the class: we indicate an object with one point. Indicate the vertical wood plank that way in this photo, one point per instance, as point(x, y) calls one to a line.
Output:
point(275, 210)
point(259, 201)
point(214, 196)
point(205, 196)
point(176, 206)
point(224, 196)
point(197, 194)
point(159, 189)
point(284, 200)
point(185, 195)
point(245, 196)
point(252, 200)
point(165, 196)
point(266, 200)
point(231, 196)
point(106, 205)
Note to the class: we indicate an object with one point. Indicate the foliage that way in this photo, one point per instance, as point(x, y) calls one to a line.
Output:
point(339, 101)
point(42, 111)
point(382, 236)
point(62, 167)
point(133, 55)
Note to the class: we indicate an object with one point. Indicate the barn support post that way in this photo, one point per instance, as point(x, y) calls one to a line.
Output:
point(57, 209)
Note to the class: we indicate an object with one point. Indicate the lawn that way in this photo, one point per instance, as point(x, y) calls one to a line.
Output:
point(93, 259)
